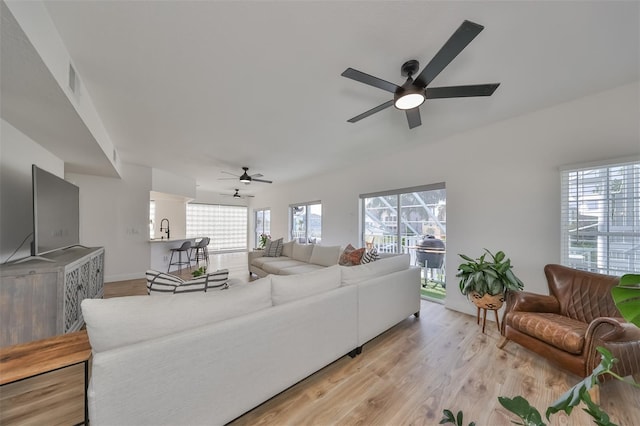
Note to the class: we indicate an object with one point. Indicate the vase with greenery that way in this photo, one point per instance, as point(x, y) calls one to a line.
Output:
point(485, 280)
point(262, 241)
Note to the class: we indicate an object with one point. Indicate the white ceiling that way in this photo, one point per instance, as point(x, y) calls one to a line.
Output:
point(199, 87)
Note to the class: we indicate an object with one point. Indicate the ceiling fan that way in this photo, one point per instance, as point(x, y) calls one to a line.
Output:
point(414, 92)
point(237, 195)
point(246, 178)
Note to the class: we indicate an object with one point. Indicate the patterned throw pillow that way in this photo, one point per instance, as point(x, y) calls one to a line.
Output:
point(159, 283)
point(212, 281)
point(273, 248)
point(369, 256)
point(351, 256)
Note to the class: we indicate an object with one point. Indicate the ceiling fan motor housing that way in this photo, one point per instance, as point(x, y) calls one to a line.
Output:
point(409, 68)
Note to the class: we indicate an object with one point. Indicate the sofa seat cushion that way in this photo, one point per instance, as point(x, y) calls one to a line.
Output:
point(303, 268)
point(261, 261)
point(562, 332)
point(286, 289)
point(276, 267)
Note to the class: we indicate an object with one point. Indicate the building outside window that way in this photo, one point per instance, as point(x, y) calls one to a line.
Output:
point(263, 224)
point(306, 222)
point(226, 226)
point(600, 218)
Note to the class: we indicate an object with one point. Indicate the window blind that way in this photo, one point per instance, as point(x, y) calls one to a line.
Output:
point(600, 218)
point(226, 226)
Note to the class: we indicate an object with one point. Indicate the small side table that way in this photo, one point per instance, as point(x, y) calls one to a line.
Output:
point(26, 360)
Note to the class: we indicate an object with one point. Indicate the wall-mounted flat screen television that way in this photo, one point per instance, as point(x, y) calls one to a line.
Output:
point(56, 212)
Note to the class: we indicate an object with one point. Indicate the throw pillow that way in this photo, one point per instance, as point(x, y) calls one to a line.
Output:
point(160, 283)
point(369, 256)
point(213, 281)
point(351, 256)
point(273, 248)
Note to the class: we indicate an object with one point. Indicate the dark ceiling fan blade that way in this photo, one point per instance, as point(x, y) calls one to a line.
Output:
point(413, 117)
point(447, 53)
point(370, 80)
point(261, 180)
point(371, 111)
point(461, 91)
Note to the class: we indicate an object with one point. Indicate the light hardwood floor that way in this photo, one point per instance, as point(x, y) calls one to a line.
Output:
point(409, 374)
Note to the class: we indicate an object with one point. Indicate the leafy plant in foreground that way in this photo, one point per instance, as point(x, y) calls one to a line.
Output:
point(456, 420)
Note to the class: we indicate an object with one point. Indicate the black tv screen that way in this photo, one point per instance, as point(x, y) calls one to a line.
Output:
point(56, 212)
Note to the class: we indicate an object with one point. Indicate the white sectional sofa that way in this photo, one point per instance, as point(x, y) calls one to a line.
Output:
point(295, 259)
point(208, 358)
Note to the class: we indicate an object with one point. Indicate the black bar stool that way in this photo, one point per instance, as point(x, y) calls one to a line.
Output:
point(184, 248)
point(201, 251)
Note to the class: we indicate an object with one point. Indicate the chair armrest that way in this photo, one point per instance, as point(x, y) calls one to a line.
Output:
point(621, 338)
point(531, 302)
point(255, 253)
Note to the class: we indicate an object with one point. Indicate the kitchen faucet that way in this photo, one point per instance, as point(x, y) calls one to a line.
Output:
point(165, 228)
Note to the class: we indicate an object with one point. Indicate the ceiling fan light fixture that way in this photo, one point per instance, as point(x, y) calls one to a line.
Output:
point(409, 100)
point(236, 195)
point(245, 178)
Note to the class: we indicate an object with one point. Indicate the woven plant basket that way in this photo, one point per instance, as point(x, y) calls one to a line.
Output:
point(487, 301)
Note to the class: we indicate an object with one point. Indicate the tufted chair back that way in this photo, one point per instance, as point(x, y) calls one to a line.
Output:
point(583, 295)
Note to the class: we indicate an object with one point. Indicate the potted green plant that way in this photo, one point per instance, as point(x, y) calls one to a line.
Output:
point(199, 272)
point(485, 280)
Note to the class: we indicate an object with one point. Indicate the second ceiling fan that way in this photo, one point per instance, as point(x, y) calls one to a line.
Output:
point(414, 92)
point(246, 178)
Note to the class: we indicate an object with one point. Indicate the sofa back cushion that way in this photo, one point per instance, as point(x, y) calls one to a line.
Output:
point(383, 266)
point(287, 288)
point(121, 321)
point(287, 249)
point(324, 255)
point(302, 252)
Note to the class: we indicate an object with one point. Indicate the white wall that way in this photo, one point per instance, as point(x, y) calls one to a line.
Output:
point(114, 213)
point(17, 154)
point(502, 181)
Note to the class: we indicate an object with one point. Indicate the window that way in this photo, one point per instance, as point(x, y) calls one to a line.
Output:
point(263, 224)
point(226, 226)
point(306, 222)
point(396, 220)
point(600, 218)
point(152, 219)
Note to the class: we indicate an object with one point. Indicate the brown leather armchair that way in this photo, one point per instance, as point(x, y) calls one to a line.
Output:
point(567, 326)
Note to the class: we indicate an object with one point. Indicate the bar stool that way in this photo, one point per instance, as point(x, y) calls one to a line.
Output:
point(184, 248)
point(201, 251)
